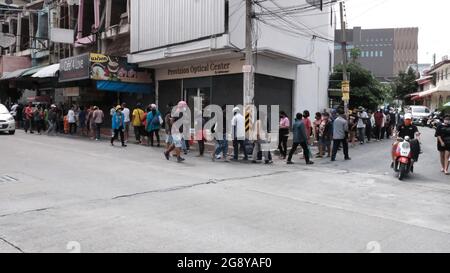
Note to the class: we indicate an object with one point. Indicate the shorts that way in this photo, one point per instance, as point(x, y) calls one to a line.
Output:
point(177, 141)
point(127, 126)
point(324, 142)
point(169, 139)
point(446, 148)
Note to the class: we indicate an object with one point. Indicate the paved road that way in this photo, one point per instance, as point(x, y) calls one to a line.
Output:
point(59, 190)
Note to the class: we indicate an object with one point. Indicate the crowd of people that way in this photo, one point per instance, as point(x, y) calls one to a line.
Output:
point(330, 131)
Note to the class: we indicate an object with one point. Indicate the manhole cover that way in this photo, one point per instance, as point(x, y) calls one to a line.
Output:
point(7, 178)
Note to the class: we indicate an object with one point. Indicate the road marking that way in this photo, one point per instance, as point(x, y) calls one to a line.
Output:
point(7, 178)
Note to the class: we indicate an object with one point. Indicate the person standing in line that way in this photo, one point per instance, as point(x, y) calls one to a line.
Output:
point(352, 124)
point(137, 120)
point(154, 122)
point(29, 118)
point(443, 143)
point(98, 118)
point(72, 121)
point(361, 124)
point(52, 119)
point(283, 134)
point(174, 139)
point(112, 111)
point(325, 135)
point(261, 137)
point(340, 135)
point(300, 139)
point(379, 120)
point(20, 116)
point(238, 127)
point(118, 126)
point(316, 127)
point(38, 116)
point(308, 125)
point(89, 121)
point(82, 115)
point(126, 112)
point(221, 138)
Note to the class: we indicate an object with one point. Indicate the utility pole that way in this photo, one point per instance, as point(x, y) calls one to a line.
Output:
point(345, 82)
point(249, 70)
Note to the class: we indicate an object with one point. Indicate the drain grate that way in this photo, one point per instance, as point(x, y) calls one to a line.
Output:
point(7, 179)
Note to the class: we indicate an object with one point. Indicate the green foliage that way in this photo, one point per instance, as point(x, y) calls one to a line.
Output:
point(365, 89)
point(405, 84)
point(355, 53)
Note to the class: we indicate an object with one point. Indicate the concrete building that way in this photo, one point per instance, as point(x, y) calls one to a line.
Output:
point(434, 86)
point(197, 47)
point(385, 52)
point(79, 36)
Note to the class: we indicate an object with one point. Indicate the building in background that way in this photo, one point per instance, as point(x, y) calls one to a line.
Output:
point(56, 44)
point(434, 86)
point(196, 49)
point(384, 52)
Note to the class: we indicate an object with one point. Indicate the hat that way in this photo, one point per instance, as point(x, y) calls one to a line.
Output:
point(236, 110)
point(118, 107)
point(153, 106)
point(408, 116)
point(361, 108)
point(53, 106)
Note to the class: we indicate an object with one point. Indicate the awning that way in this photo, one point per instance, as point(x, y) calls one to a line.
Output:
point(32, 71)
point(47, 72)
point(124, 87)
point(434, 90)
point(13, 75)
point(416, 98)
point(428, 92)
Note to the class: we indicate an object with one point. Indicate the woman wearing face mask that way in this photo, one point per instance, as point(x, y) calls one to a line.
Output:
point(443, 143)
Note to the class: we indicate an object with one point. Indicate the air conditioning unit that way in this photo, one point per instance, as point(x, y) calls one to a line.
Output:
point(445, 58)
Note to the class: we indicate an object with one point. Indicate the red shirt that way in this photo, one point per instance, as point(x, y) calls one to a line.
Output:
point(308, 127)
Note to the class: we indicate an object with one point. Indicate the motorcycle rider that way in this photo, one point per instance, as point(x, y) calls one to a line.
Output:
point(410, 130)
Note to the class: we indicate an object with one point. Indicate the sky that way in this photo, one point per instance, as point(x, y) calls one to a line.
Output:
point(431, 16)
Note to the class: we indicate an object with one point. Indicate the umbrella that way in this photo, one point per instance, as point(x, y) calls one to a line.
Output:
point(447, 104)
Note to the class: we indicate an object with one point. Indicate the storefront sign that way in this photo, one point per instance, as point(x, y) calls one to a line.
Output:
point(75, 68)
point(71, 92)
point(201, 70)
point(109, 68)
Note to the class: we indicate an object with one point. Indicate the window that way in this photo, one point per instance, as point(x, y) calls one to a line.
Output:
point(381, 53)
point(446, 74)
point(376, 53)
point(371, 53)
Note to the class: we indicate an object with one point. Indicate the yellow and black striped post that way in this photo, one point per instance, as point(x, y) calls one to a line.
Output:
point(248, 120)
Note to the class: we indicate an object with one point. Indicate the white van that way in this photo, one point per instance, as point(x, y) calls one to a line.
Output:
point(420, 114)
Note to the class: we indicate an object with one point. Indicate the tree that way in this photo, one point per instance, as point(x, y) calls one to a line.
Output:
point(365, 89)
point(355, 53)
point(405, 84)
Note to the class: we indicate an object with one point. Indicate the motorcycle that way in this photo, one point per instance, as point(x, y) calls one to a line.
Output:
point(434, 122)
point(404, 163)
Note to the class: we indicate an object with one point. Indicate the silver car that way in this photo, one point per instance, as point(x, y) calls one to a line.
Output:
point(7, 121)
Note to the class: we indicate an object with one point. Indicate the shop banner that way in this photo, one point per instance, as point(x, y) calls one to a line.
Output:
point(117, 69)
point(74, 68)
point(212, 68)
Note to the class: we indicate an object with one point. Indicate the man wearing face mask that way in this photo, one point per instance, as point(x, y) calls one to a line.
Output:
point(410, 130)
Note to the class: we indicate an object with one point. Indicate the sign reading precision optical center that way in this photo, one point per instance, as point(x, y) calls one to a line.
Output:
point(206, 69)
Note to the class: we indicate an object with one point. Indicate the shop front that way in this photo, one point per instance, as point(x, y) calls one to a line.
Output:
point(219, 83)
point(105, 81)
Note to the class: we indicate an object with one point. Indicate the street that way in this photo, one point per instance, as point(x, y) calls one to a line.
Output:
point(62, 194)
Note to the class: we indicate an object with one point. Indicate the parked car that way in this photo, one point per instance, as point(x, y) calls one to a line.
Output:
point(7, 122)
point(420, 114)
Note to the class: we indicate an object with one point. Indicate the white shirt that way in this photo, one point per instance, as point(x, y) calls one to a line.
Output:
point(361, 117)
point(71, 116)
point(238, 123)
point(126, 112)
